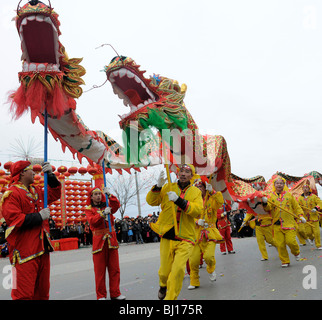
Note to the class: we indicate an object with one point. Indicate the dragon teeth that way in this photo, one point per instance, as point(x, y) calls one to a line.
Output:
point(129, 74)
point(122, 73)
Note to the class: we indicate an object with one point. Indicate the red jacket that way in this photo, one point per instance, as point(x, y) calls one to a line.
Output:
point(99, 225)
point(28, 236)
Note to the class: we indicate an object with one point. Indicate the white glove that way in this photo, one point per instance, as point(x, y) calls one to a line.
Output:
point(264, 199)
point(313, 210)
point(46, 167)
point(106, 190)
point(172, 196)
point(209, 187)
point(45, 214)
point(162, 179)
point(201, 222)
point(303, 219)
point(224, 213)
point(107, 211)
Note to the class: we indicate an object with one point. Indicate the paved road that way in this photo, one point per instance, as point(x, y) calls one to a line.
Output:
point(239, 276)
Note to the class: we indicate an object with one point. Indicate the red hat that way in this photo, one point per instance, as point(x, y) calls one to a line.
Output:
point(89, 194)
point(17, 168)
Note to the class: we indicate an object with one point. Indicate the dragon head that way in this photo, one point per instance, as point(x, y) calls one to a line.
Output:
point(154, 102)
point(44, 57)
point(38, 28)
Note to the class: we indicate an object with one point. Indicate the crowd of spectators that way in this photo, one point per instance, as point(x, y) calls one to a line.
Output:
point(136, 230)
point(128, 230)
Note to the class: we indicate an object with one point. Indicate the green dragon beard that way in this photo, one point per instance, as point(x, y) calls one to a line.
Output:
point(142, 136)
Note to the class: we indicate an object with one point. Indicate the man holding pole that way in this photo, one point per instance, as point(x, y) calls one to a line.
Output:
point(284, 208)
point(105, 245)
point(177, 232)
point(28, 230)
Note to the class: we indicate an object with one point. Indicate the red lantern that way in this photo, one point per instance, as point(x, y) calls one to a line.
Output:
point(37, 168)
point(91, 170)
point(62, 169)
point(72, 170)
point(82, 170)
point(7, 165)
point(66, 174)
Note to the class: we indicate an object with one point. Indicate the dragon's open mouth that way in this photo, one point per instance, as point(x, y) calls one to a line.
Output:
point(132, 90)
point(39, 42)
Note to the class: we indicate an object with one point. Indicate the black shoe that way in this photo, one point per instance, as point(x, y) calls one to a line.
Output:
point(230, 252)
point(162, 292)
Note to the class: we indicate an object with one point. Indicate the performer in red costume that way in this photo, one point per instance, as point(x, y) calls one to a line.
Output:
point(223, 226)
point(28, 230)
point(105, 245)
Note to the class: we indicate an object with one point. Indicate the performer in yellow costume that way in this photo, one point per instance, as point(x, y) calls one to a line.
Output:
point(207, 233)
point(175, 248)
point(311, 205)
point(284, 223)
point(263, 229)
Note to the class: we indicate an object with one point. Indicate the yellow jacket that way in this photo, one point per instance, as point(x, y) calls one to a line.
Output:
point(185, 219)
point(310, 202)
point(212, 202)
point(287, 202)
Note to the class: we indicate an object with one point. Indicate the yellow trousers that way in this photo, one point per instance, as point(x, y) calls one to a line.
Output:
point(314, 232)
point(264, 234)
point(301, 232)
point(208, 250)
point(285, 238)
point(173, 258)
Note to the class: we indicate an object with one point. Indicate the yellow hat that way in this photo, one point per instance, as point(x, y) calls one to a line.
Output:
point(307, 183)
point(193, 171)
point(280, 178)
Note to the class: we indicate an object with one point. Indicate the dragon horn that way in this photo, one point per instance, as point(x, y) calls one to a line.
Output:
point(18, 7)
